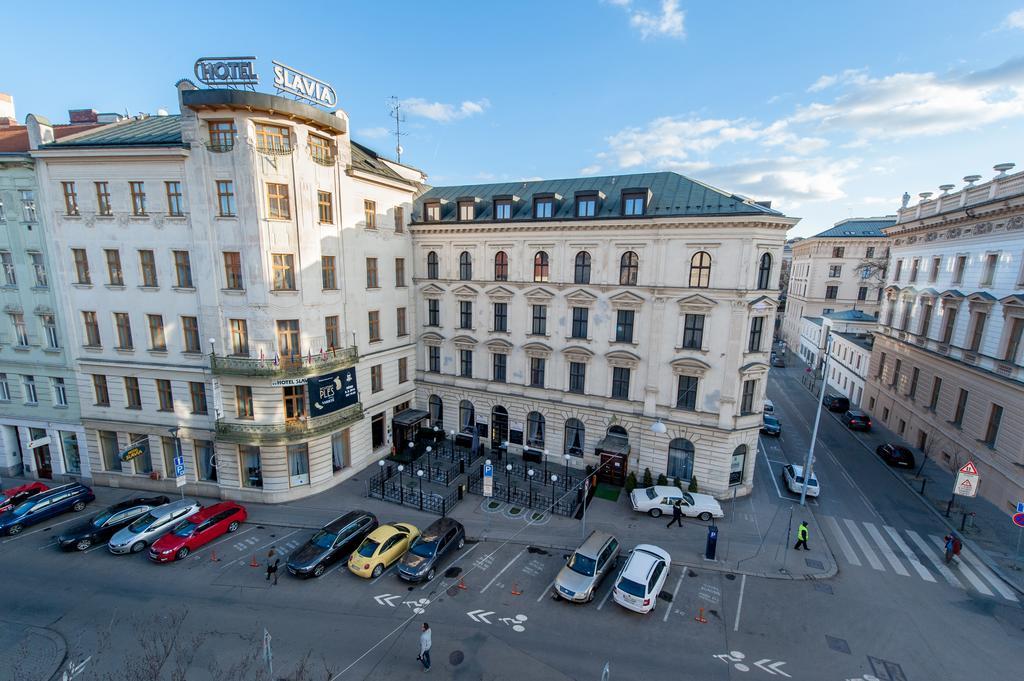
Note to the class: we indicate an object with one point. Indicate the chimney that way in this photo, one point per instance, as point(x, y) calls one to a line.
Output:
point(83, 116)
point(40, 131)
point(7, 116)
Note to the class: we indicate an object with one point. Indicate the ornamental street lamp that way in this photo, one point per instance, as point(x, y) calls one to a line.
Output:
point(401, 486)
point(508, 482)
point(530, 474)
point(419, 474)
point(567, 457)
point(546, 453)
point(554, 479)
point(429, 448)
point(381, 464)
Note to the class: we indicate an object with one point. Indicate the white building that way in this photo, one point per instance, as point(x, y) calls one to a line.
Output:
point(816, 331)
point(849, 359)
point(569, 316)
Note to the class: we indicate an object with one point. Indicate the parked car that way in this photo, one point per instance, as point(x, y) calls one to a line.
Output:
point(641, 578)
point(196, 530)
point(836, 402)
point(778, 361)
point(10, 498)
point(661, 498)
point(769, 407)
point(381, 549)
point(335, 541)
point(896, 455)
point(771, 425)
point(793, 477)
point(108, 521)
point(855, 419)
point(587, 567)
point(148, 527)
point(38, 507)
point(422, 559)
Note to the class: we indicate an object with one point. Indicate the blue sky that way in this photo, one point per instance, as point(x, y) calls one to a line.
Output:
point(830, 110)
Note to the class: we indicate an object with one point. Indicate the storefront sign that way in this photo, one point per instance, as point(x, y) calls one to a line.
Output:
point(32, 444)
point(135, 450)
point(292, 81)
point(331, 392)
point(282, 382)
point(226, 71)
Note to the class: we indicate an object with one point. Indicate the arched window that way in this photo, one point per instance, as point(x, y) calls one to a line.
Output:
point(535, 430)
point(680, 459)
point(764, 271)
point(501, 266)
point(618, 431)
point(465, 266)
point(432, 265)
point(629, 268)
point(700, 270)
point(467, 417)
point(582, 272)
point(436, 411)
point(739, 463)
point(575, 437)
point(540, 266)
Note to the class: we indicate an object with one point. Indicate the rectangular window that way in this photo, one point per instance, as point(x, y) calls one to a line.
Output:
point(103, 199)
point(501, 316)
point(377, 430)
point(633, 204)
point(400, 324)
point(138, 192)
point(320, 149)
point(433, 312)
point(294, 397)
point(20, 328)
point(915, 268)
point(586, 206)
point(31, 394)
point(960, 264)
point(278, 203)
point(537, 365)
point(399, 272)
point(206, 462)
point(500, 365)
point(115, 276)
point(896, 370)
point(543, 208)
point(273, 138)
point(49, 323)
point(3, 211)
point(747, 399)
point(157, 341)
point(81, 266)
point(371, 273)
point(399, 219)
point(374, 325)
point(175, 203)
point(624, 326)
point(862, 293)
point(99, 388)
point(933, 401)
point(580, 318)
point(926, 319)
point(989, 274)
point(5, 389)
point(467, 210)
point(70, 198)
point(466, 363)
point(831, 292)
point(28, 204)
point(915, 375)
point(124, 331)
point(147, 265)
point(222, 135)
point(239, 337)
point(243, 402)
point(686, 393)
point(332, 332)
point(197, 393)
point(110, 450)
point(183, 269)
point(835, 270)
point(226, 199)
point(502, 210)
point(839, 252)
point(577, 377)
point(434, 359)
point(540, 320)
point(756, 333)
point(977, 331)
point(233, 271)
point(433, 212)
point(465, 314)
point(10, 276)
point(933, 273)
point(1013, 340)
point(288, 337)
point(899, 270)
point(164, 394)
point(328, 272)
point(403, 369)
point(961, 407)
point(870, 252)
point(376, 378)
point(992, 430)
point(39, 269)
point(370, 213)
point(190, 333)
point(92, 329)
point(950, 326)
point(132, 393)
point(284, 271)
point(325, 207)
point(620, 383)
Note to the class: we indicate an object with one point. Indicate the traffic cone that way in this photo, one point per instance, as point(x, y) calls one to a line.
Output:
point(700, 617)
point(213, 557)
point(462, 584)
point(253, 563)
point(516, 591)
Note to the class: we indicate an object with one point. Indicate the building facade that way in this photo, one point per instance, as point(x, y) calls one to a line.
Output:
point(236, 276)
point(567, 317)
point(947, 370)
point(848, 362)
point(816, 333)
point(841, 268)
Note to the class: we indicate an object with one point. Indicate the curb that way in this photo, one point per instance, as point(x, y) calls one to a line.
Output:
point(58, 642)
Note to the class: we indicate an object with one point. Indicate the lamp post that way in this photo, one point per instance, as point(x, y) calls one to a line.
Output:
point(401, 487)
point(411, 446)
point(546, 453)
point(381, 465)
point(508, 482)
point(566, 477)
point(452, 434)
point(429, 448)
point(809, 463)
point(530, 474)
point(419, 474)
point(554, 479)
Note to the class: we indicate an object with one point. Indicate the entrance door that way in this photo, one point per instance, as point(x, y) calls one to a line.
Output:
point(499, 427)
point(43, 465)
point(613, 469)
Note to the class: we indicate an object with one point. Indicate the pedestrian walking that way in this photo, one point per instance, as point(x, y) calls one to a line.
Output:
point(801, 537)
point(272, 562)
point(425, 642)
point(677, 515)
point(952, 547)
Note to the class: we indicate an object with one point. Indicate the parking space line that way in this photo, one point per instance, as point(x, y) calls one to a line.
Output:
point(679, 582)
point(451, 565)
point(864, 546)
point(922, 571)
point(897, 566)
point(256, 550)
point(336, 566)
point(507, 566)
point(381, 576)
point(606, 595)
point(739, 605)
point(851, 556)
point(930, 555)
point(964, 570)
point(547, 589)
point(771, 473)
point(38, 530)
point(47, 545)
point(223, 539)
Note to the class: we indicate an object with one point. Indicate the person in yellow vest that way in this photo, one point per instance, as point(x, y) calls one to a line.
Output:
point(801, 537)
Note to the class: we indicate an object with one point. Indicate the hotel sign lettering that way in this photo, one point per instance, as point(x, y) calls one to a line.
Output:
point(226, 71)
point(303, 85)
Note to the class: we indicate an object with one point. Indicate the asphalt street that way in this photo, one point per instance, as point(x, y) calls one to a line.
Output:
point(893, 612)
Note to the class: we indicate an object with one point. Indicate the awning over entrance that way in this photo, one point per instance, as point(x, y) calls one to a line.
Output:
point(410, 417)
point(614, 444)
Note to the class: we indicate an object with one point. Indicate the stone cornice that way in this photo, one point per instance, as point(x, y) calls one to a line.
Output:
point(659, 225)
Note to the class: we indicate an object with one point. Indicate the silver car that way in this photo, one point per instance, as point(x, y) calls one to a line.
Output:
point(147, 528)
point(587, 567)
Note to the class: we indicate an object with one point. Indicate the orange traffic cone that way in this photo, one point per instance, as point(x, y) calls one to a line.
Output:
point(462, 584)
point(253, 563)
point(213, 557)
point(516, 591)
point(700, 617)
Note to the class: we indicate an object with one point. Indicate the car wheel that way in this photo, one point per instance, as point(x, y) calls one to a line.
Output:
point(138, 546)
point(318, 570)
point(705, 516)
point(83, 544)
point(15, 529)
point(182, 553)
point(430, 575)
point(233, 526)
point(462, 542)
point(655, 513)
point(590, 596)
point(79, 505)
point(377, 571)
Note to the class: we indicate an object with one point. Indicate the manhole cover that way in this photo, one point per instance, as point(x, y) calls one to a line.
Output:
point(886, 671)
point(825, 588)
point(452, 572)
point(730, 576)
point(837, 644)
point(665, 596)
point(816, 564)
point(456, 658)
point(537, 550)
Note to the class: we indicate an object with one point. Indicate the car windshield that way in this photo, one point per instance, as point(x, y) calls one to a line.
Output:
point(424, 549)
point(102, 518)
point(771, 420)
point(142, 524)
point(368, 548)
point(651, 494)
point(23, 508)
point(800, 480)
point(582, 564)
point(323, 539)
point(632, 588)
point(186, 528)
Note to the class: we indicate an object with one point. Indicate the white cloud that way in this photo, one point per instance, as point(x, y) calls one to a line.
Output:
point(670, 21)
point(847, 76)
point(443, 112)
point(373, 133)
point(786, 179)
point(1014, 20)
point(590, 170)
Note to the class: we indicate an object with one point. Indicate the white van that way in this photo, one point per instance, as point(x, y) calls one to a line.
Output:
point(769, 407)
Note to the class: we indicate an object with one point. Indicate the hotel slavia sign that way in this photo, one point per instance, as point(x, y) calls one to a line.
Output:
point(226, 71)
point(303, 85)
point(234, 72)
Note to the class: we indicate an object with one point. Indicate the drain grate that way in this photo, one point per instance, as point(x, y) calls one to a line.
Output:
point(456, 657)
point(837, 644)
point(691, 573)
point(824, 588)
point(452, 572)
point(816, 564)
point(886, 670)
point(730, 576)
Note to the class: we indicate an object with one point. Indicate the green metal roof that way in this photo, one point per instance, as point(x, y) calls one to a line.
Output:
point(149, 131)
point(367, 160)
point(858, 227)
point(670, 194)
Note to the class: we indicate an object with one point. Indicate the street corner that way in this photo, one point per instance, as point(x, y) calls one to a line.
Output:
point(32, 653)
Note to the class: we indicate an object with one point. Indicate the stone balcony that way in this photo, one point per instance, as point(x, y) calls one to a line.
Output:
point(285, 367)
point(973, 359)
point(249, 433)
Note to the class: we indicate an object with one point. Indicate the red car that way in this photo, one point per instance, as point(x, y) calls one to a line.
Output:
point(197, 530)
point(15, 495)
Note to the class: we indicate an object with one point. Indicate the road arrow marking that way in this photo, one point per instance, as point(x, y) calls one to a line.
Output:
point(480, 615)
point(386, 599)
point(772, 668)
point(418, 606)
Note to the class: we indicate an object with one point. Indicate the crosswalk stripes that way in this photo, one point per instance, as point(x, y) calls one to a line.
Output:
point(911, 557)
point(964, 570)
point(946, 573)
point(1003, 590)
point(897, 566)
point(844, 545)
point(863, 543)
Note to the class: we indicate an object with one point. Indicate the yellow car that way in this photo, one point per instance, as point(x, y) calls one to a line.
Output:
point(382, 548)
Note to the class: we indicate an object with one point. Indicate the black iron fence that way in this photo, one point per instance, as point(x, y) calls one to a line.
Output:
point(432, 501)
point(521, 493)
point(541, 472)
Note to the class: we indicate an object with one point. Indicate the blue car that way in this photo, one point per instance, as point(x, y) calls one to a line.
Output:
point(52, 502)
point(771, 426)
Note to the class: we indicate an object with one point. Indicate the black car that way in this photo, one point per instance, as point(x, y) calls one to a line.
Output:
point(108, 521)
point(836, 403)
point(420, 562)
point(896, 455)
point(771, 426)
point(778, 361)
point(855, 419)
point(336, 541)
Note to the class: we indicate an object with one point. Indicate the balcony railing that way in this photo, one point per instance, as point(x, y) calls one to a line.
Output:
point(281, 367)
point(269, 433)
point(967, 357)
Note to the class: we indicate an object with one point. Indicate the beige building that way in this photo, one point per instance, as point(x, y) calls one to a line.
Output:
point(947, 368)
point(841, 268)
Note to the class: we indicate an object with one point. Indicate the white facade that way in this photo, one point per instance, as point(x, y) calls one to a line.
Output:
point(849, 359)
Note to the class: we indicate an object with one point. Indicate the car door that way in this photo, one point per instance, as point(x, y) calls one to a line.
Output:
point(388, 551)
point(120, 519)
point(344, 543)
point(684, 505)
point(447, 543)
point(653, 584)
point(604, 560)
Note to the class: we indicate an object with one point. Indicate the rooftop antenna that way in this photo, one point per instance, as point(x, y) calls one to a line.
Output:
point(396, 113)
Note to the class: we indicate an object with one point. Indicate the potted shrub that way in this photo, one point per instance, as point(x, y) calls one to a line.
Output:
point(662, 480)
point(648, 478)
point(693, 485)
point(630, 482)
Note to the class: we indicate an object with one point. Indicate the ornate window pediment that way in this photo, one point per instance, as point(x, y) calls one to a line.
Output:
point(981, 299)
point(581, 298)
point(464, 341)
point(539, 295)
point(500, 293)
point(576, 353)
point(43, 309)
point(499, 345)
point(754, 370)
point(1016, 301)
point(627, 300)
point(952, 295)
point(432, 291)
point(465, 291)
point(929, 293)
point(622, 358)
point(432, 338)
point(695, 303)
point(763, 304)
point(688, 366)
point(536, 349)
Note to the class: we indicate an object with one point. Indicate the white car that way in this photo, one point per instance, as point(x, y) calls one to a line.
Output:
point(641, 578)
point(661, 498)
point(150, 526)
point(769, 407)
point(793, 477)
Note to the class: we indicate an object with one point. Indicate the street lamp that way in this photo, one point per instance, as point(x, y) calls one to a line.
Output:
point(809, 462)
point(567, 457)
point(380, 463)
point(508, 482)
point(419, 474)
point(554, 479)
point(429, 448)
point(546, 453)
point(401, 487)
point(530, 474)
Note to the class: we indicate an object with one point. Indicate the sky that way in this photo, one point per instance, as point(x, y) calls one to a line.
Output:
point(829, 110)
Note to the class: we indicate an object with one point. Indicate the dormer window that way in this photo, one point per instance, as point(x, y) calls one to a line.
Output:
point(432, 211)
point(634, 203)
point(543, 208)
point(467, 210)
point(586, 206)
point(503, 210)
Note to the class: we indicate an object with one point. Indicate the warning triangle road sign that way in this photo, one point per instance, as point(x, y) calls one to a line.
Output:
point(969, 469)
